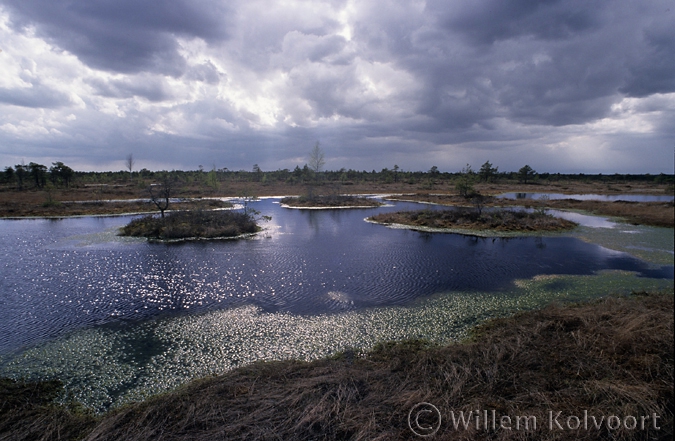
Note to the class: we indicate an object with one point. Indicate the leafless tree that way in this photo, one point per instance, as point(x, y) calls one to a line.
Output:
point(316, 161)
point(130, 163)
point(160, 194)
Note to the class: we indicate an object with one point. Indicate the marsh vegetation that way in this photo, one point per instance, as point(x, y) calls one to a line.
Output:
point(471, 219)
point(331, 201)
point(192, 224)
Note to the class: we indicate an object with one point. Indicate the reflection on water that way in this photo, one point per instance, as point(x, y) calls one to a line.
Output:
point(590, 197)
point(115, 315)
point(583, 219)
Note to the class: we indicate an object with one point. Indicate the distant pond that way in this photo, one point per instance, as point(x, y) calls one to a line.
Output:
point(590, 197)
point(74, 280)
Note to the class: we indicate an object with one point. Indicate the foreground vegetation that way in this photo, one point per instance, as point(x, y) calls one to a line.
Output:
point(609, 357)
point(192, 224)
point(469, 219)
point(334, 201)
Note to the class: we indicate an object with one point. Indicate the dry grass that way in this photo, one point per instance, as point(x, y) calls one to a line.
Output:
point(660, 214)
point(609, 357)
point(35, 203)
point(34, 206)
point(332, 201)
point(27, 413)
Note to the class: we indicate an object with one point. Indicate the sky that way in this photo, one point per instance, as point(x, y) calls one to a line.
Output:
point(569, 86)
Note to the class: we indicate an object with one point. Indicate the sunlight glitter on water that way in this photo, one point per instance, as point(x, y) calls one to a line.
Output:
point(111, 365)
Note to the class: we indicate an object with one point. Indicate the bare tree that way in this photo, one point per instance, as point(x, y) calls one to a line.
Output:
point(130, 163)
point(316, 161)
point(160, 194)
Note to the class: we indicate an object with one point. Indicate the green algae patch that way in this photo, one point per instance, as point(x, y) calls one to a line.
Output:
point(652, 244)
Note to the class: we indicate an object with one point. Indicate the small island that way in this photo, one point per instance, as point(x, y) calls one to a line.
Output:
point(192, 225)
point(331, 201)
point(467, 219)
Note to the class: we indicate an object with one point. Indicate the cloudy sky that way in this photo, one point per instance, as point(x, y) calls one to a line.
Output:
point(562, 85)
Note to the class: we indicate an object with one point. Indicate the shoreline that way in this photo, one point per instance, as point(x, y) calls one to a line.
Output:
point(484, 233)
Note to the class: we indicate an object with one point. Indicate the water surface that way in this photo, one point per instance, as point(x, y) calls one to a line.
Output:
point(61, 275)
point(116, 318)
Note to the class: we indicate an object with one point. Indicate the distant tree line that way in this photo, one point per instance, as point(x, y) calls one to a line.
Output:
point(38, 176)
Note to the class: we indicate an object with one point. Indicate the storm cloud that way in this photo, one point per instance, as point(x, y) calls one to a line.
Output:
point(563, 85)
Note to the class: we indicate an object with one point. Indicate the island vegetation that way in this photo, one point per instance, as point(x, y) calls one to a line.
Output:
point(470, 219)
point(193, 225)
point(331, 201)
point(609, 357)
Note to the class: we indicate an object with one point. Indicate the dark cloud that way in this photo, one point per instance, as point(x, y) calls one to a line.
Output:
point(653, 69)
point(548, 62)
point(123, 35)
point(36, 95)
point(487, 21)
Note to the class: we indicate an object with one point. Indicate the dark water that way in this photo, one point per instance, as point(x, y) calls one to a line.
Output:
point(591, 197)
point(61, 275)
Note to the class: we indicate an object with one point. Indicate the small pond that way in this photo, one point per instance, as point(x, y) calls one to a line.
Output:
point(117, 318)
point(590, 197)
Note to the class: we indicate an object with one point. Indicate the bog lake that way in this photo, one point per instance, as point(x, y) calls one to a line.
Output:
point(117, 319)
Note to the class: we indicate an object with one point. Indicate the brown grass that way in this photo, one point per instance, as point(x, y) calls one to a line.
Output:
point(33, 202)
point(333, 201)
point(27, 413)
point(660, 214)
point(609, 357)
point(32, 206)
